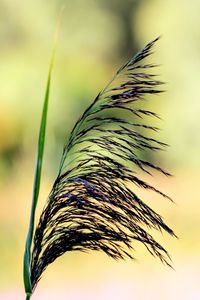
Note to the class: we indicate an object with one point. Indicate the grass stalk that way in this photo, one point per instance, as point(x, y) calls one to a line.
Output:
point(36, 185)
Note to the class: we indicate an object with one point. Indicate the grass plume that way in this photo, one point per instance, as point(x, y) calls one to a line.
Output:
point(91, 206)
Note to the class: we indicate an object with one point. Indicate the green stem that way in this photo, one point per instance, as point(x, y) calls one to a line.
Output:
point(38, 169)
point(36, 186)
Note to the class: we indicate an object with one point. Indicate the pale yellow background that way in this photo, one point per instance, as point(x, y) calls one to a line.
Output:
point(87, 56)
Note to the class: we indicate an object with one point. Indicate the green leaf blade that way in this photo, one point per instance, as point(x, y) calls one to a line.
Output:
point(36, 185)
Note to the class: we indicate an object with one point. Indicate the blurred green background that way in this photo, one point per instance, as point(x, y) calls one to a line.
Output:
point(96, 37)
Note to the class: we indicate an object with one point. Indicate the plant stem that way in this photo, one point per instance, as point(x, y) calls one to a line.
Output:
point(36, 185)
point(38, 169)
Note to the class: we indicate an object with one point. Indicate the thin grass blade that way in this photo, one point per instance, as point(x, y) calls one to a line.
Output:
point(37, 178)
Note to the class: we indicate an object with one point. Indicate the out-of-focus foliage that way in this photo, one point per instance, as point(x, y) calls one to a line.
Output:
point(89, 45)
point(96, 37)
